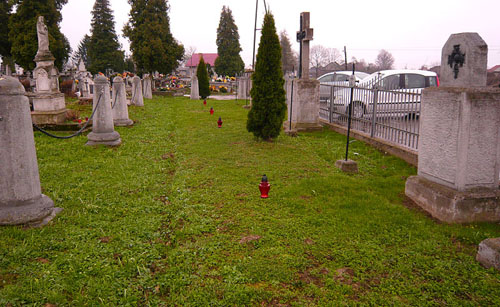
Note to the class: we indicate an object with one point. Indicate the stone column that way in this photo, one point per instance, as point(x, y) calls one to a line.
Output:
point(148, 92)
point(195, 90)
point(459, 142)
point(119, 103)
point(21, 199)
point(103, 131)
point(137, 98)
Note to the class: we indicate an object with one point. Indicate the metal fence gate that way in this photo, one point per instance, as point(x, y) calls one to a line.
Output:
point(385, 113)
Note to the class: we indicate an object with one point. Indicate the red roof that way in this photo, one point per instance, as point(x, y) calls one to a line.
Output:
point(209, 58)
point(495, 68)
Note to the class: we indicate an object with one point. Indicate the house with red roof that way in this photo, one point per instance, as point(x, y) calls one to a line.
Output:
point(495, 69)
point(192, 63)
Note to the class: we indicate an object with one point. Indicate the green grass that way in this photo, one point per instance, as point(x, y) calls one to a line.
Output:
point(158, 221)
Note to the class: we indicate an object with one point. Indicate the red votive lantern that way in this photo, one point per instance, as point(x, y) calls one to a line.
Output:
point(205, 102)
point(211, 111)
point(264, 187)
point(219, 122)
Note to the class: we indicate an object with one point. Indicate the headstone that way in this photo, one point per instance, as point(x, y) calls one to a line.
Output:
point(195, 91)
point(303, 106)
point(21, 199)
point(49, 106)
point(103, 131)
point(464, 61)
point(148, 92)
point(119, 103)
point(459, 143)
point(243, 85)
point(137, 98)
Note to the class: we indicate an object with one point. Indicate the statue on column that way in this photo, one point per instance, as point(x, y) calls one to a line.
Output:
point(43, 35)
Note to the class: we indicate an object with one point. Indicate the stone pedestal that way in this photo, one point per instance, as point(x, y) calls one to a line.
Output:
point(119, 104)
point(348, 166)
point(459, 143)
point(243, 88)
point(21, 199)
point(303, 105)
point(137, 98)
point(195, 90)
point(48, 102)
point(147, 90)
point(103, 131)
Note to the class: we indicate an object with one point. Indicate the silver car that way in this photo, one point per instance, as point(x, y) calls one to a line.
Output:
point(336, 78)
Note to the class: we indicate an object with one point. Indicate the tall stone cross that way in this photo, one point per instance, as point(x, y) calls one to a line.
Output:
point(304, 35)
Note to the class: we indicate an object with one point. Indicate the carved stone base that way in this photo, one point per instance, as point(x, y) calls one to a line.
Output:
point(108, 138)
point(348, 166)
point(452, 206)
point(123, 122)
point(33, 212)
point(49, 117)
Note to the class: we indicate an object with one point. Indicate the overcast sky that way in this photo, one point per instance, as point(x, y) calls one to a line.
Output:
point(413, 31)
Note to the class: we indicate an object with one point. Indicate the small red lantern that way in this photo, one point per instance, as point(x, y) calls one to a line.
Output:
point(205, 102)
point(264, 187)
point(211, 111)
point(219, 122)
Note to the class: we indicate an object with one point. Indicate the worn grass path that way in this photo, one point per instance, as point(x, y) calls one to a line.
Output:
point(173, 216)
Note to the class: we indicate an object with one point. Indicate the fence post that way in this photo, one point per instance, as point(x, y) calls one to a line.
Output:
point(330, 106)
point(374, 112)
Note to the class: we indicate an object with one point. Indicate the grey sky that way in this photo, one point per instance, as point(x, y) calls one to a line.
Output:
point(413, 31)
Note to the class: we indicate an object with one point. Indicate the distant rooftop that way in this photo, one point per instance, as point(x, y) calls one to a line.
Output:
point(495, 68)
point(209, 58)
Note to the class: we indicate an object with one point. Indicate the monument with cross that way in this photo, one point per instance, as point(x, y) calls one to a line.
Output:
point(303, 93)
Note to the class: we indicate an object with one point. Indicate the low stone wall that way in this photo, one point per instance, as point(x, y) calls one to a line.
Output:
point(408, 155)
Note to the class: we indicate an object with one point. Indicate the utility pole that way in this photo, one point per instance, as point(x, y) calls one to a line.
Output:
point(345, 53)
point(255, 34)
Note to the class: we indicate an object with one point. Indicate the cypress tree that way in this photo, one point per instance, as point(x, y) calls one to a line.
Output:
point(5, 9)
point(148, 30)
point(103, 48)
point(23, 33)
point(268, 95)
point(229, 62)
point(203, 83)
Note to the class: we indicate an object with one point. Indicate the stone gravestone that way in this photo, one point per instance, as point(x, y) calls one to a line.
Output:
point(459, 142)
point(303, 107)
point(21, 199)
point(137, 98)
point(195, 90)
point(243, 85)
point(148, 92)
point(119, 103)
point(48, 102)
point(103, 131)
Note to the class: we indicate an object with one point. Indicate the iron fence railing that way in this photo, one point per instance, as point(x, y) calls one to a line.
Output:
point(384, 112)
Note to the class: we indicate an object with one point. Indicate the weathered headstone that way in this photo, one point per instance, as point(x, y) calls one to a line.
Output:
point(103, 131)
point(195, 91)
point(147, 90)
point(243, 85)
point(464, 61)
point(137, 98)
point(21, 199)
point(303, 106)
point(459, 142)
point(119, 103)
point(48, 102)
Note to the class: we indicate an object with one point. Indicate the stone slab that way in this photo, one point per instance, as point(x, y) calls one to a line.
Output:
point(453, 206)
point(488, 253)
point(348, 166)
point(49, 117)
point(460, 137)
point(304, 105)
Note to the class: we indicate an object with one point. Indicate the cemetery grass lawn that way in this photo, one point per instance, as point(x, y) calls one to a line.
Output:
point(173, 216)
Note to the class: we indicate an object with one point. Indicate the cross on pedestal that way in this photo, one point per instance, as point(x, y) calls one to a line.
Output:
point(303, 37)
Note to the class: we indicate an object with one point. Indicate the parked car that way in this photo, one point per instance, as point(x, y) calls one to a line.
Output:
point(399, 93)
point(340, 78)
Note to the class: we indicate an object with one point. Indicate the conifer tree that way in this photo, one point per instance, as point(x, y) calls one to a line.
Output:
point(203, 83)
point(288, 60)
point(103, 48)
point(229, 62)
point(82, 51)
point(23, 33)
point(5, 10)
point(268, 95)
point(148, 30)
